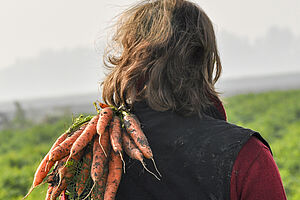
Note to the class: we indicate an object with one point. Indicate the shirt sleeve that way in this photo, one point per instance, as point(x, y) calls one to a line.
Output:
point(255, 174)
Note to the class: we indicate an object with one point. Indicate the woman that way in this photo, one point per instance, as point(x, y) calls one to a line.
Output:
point(164, 64)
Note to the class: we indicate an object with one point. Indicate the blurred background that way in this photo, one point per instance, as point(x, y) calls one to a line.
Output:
point(51, 67)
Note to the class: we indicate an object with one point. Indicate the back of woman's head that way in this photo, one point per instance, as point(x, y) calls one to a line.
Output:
point(163, 52)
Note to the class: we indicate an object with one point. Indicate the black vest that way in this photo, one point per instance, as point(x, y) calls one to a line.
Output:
point(195, 157)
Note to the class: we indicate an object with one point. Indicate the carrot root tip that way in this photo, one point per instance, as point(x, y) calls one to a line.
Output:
point(90, 191)
point(60, 179)
point(30, 190)
point(102, 147)
point(122, 162)
point(156, 167)
point(149, 171)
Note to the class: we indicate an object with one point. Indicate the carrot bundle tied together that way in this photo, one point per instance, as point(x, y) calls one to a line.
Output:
point(88, 158)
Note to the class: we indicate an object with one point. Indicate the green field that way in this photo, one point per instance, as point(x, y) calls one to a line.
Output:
point(276, 115)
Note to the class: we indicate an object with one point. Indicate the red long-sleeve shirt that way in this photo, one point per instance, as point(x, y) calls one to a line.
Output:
point(255, 175)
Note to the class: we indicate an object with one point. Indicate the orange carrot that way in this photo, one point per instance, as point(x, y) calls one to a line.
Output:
point(106, 115)
point(99, 190)
point(59, 189)
point(84, 173)
point(114, 176)
point(60, 170)
point(99, 159)
point(85, 137)
point(134, 130)
point(65, 174)
point(133, 152)
point(64, 148)
point(116, 137)
point(66, 170)
point(52, 179)
point(130, 148)
point(45, 166)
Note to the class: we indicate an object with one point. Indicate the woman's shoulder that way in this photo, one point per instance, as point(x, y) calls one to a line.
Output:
point(255, 170)
point(251, 150)
point(191, 132)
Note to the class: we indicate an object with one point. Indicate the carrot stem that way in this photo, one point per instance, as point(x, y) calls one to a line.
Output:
point(96, 107)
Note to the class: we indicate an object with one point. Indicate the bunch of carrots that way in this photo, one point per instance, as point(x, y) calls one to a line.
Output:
point(87, 158)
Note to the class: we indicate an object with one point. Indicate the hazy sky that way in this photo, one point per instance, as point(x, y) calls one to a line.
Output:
point(29, 26)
